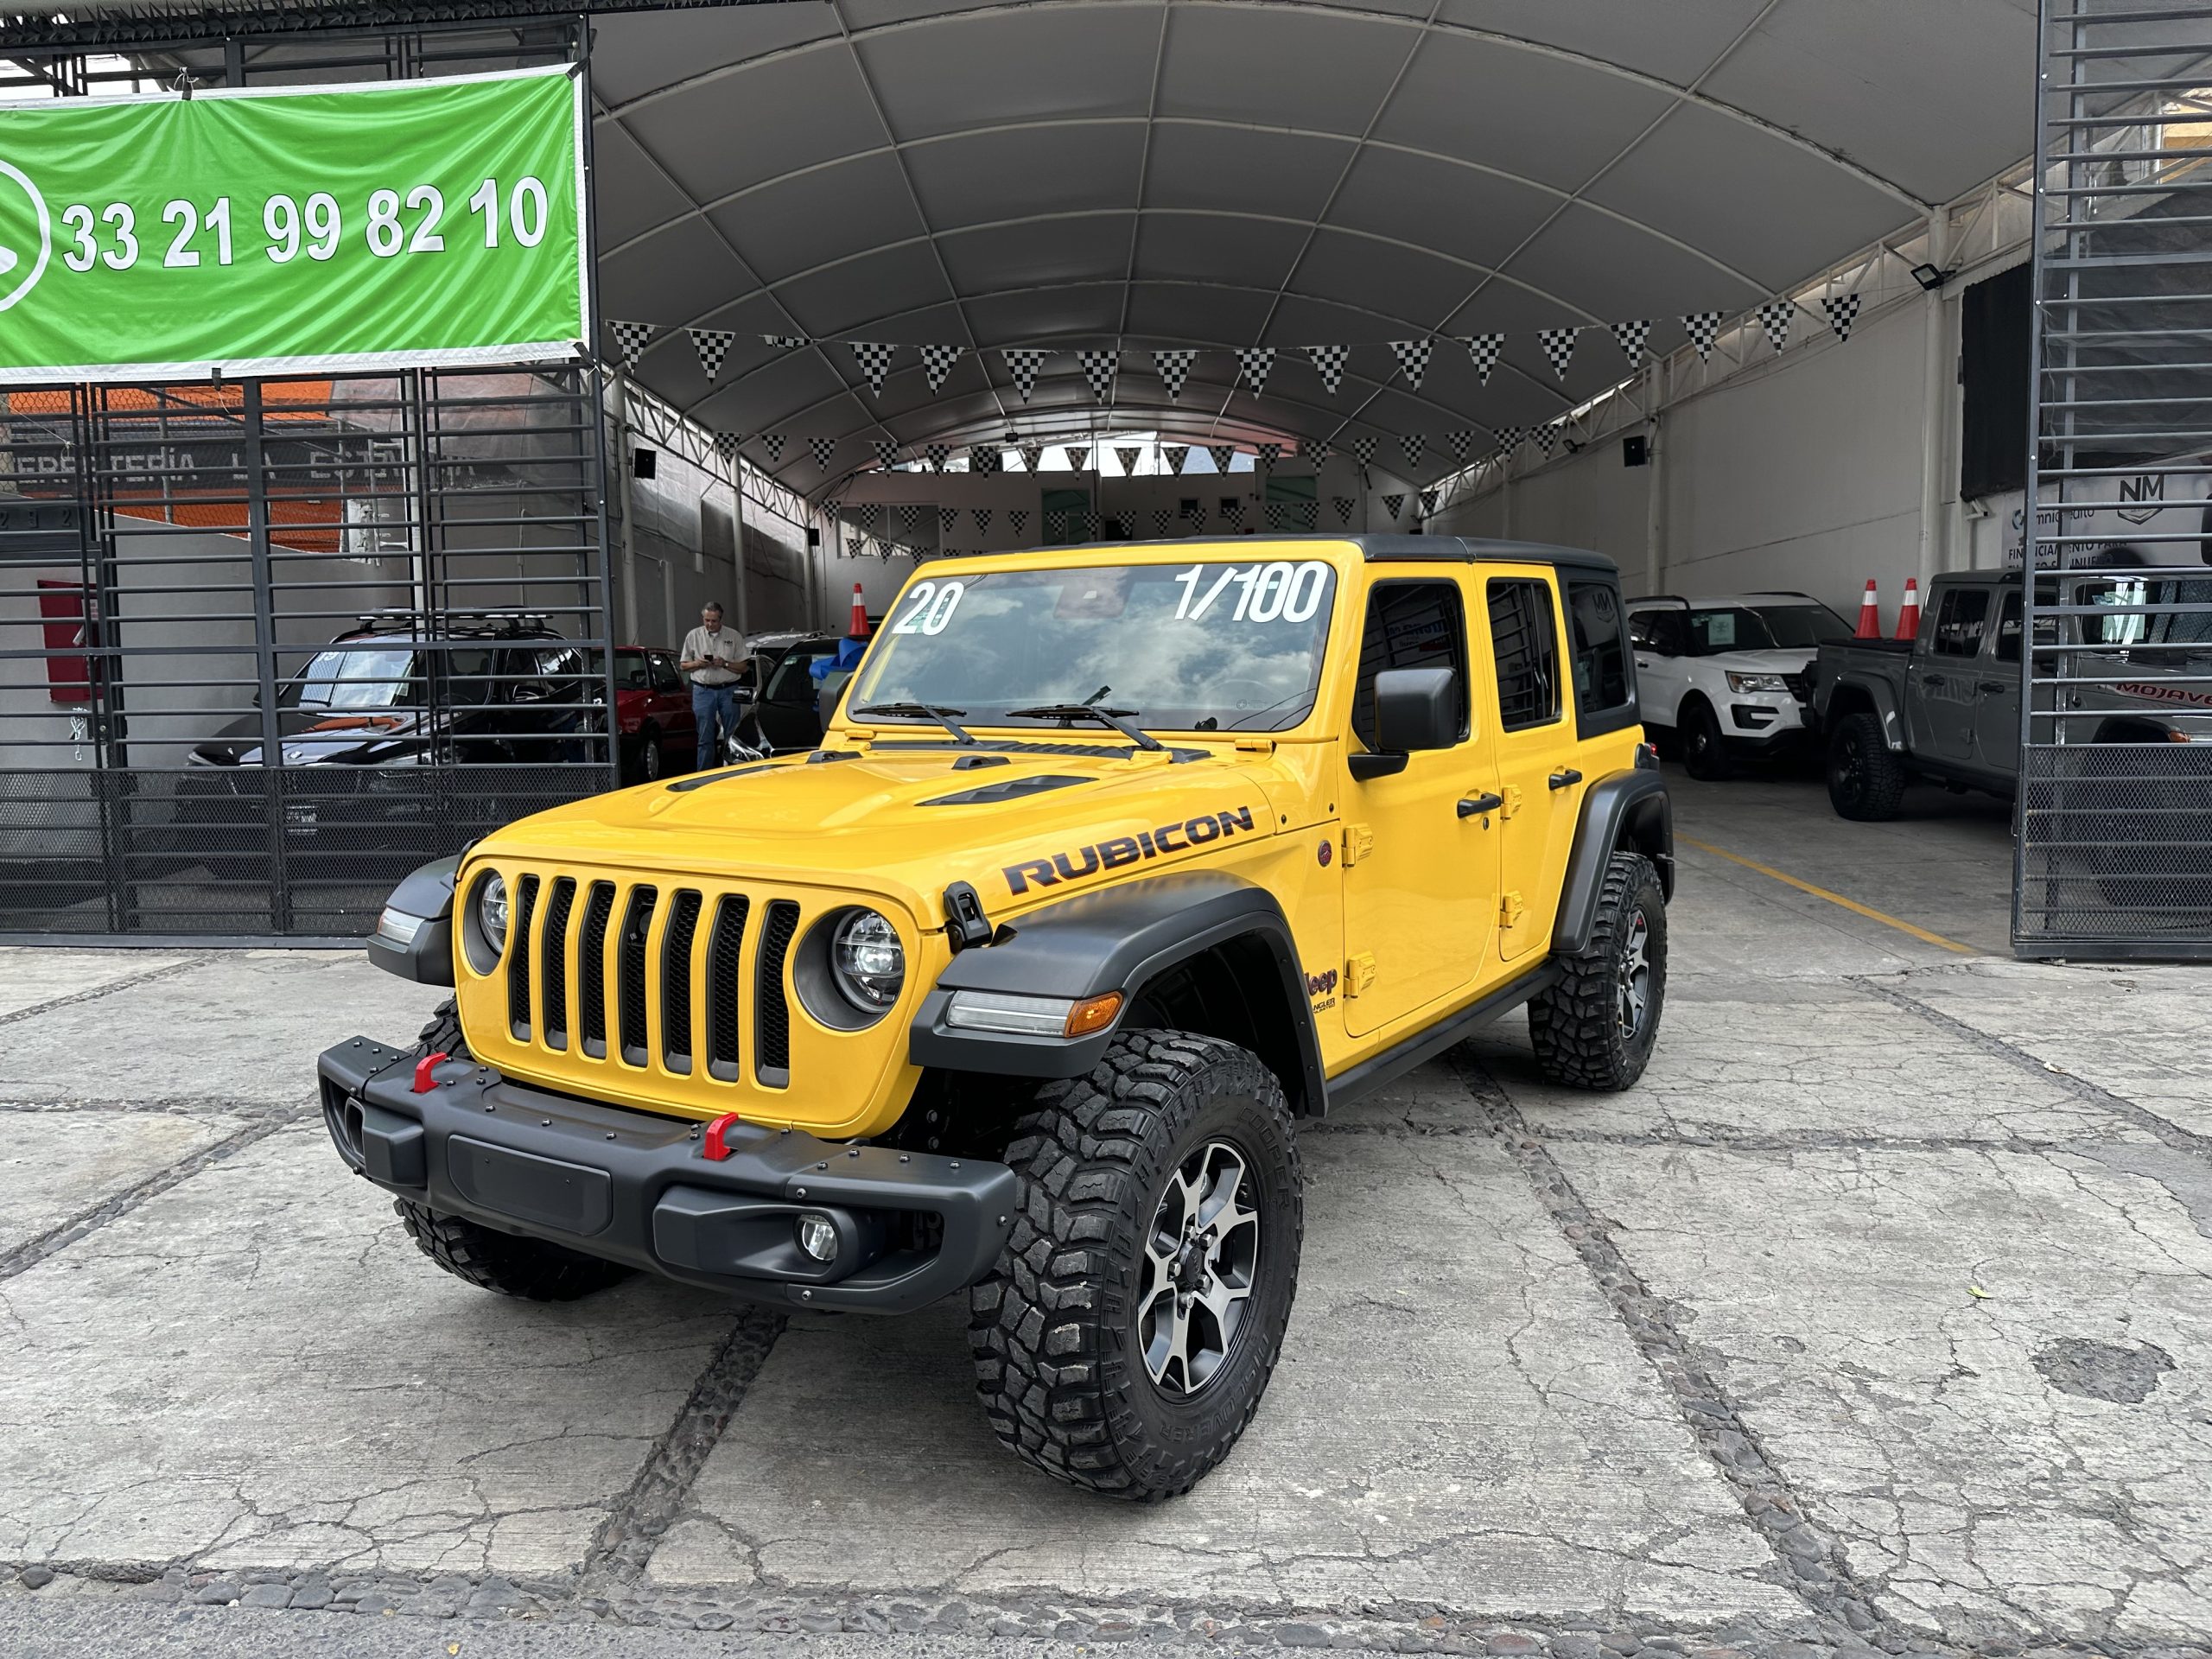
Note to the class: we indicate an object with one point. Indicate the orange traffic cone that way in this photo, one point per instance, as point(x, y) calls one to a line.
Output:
point(1909, 612)
point(1870, 614)
point(859, 630)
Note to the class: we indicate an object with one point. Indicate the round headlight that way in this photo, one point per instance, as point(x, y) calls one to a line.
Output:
point(868, 960)
point(492, 911)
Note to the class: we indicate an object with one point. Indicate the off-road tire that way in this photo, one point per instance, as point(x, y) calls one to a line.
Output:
point(1054, 1327)
point(1705, 751)
point(484, 1256)
point(1576, 1026)
point(1865, 780)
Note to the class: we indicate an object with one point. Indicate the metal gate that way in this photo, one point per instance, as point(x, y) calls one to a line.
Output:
point(2114, 843)
point(267, 645)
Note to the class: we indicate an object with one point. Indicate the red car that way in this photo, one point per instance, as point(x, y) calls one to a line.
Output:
point(652, 710)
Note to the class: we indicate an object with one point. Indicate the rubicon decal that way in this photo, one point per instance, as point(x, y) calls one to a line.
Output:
point(1123, 850)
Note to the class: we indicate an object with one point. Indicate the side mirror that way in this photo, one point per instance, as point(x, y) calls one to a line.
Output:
point(1414, 709)
point(532, 691)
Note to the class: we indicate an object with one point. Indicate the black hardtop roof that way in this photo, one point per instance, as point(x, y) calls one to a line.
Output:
point(1382, 548)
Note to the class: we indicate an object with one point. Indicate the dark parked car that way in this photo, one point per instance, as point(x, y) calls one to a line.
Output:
point(786, 716)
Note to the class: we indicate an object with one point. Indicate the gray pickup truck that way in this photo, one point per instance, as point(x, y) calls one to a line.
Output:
point(1944, 708)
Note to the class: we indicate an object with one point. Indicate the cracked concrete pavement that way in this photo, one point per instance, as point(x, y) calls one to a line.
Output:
point(1878, 1317)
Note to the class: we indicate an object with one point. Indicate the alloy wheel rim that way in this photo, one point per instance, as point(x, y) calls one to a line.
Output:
point(651, 761)
point(1202, 1261)
point(1632, 980)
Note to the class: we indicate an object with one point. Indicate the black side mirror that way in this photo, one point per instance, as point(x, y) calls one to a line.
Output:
point(1414, 709)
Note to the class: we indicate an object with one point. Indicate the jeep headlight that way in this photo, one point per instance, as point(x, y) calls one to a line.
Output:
point(867, 960)
point(492, 911)
point(1742, 682)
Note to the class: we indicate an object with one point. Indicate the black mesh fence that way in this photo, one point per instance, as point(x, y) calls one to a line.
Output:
point(2115, 844)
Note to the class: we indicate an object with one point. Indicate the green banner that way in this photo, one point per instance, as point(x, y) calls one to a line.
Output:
point(369, 226)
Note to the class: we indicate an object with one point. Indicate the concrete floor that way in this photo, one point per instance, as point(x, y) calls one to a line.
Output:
point(1880, 1312)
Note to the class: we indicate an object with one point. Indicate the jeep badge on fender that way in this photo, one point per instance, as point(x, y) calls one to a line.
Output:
point(1019, 986)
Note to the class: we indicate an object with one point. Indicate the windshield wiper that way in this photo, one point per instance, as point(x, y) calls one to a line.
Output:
point(948, 718)
point(1119, 719)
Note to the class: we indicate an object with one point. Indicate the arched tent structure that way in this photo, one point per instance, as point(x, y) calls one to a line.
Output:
point(1140, 174)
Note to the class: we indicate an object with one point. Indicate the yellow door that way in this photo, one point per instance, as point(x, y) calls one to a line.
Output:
point(1524, 700)
point(1419, 878)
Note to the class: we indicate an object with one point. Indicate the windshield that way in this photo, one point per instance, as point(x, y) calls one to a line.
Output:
point(361, 677)
point(1794, 627)
point(1217, 645)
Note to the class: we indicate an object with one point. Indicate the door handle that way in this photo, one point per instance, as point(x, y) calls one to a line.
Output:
point(1566, 778)
point(1931, 679)
point(1643, 662)
point(1996, 686)
point(1480, 804)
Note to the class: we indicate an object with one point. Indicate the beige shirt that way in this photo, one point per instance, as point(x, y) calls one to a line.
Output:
point(699, 645)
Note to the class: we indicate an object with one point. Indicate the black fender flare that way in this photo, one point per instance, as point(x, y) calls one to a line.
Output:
point(1117, 939)
point(1627, 807)
point(424, 898)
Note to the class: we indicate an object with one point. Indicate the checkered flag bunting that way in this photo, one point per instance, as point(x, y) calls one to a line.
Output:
point(1631, 336)
point(1130, 456)
point(1232, 509)
point(982, 517)
point(1174, 366)
point(1172, 457)
point(938, 454)
point(1704, 329)
point(1099, 368)
point(1091, 525)
point(1843, 311)
point(947, 518)
point(1559, 348)
point(871, 515)
point(1460, 444)
point(833, 506)
point(1344, 505)
point(630, 340)
point(1364, 448)
point(1253, 363)
point(1393, 505)
point(1414, 443)
point(1308, 514)
point(1269, 453)
point(887, 453)
point(1329, 363)
point(713, 346)
point(726, 445)
point(1160, 519)
point(774, 443)
point(874, 359)
point(1413, 358)
point(1429, 501)
point(1773, 317)
point(1033, 456)
point(1022, 363)
point(1018, 518)
point(787, 342)
point(1277, 514)
point(1056, 525)
point(1482, 349)
point(910, 514)
point(1509, 437)
point(1195, 514)
point(1547, 438)
point(937, 361)
point(1315, 450)
point(825, 450)
point(985, 458)
point(1222, 453)
point(1078, 456)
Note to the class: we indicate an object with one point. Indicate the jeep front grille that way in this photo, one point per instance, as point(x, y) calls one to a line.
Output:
point(579, 959)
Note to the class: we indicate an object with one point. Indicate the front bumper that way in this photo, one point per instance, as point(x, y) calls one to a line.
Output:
point(1764, 720)
point(638, 1188)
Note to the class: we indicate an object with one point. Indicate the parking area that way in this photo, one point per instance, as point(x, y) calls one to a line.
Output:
point(1876, 1314)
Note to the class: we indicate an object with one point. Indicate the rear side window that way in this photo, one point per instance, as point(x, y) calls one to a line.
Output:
point(1959, 625)
point(1593, 617)
point(1409, 625)
point(1525, 641)
point(2008, 630)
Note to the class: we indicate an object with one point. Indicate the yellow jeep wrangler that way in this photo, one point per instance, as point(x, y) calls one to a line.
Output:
point(1116, 862)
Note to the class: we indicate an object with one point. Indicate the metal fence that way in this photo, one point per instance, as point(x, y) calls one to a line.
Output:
point(2114, 843)
point(267, 645)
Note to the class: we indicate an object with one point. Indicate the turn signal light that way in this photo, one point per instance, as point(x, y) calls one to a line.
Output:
point(1092, 1014)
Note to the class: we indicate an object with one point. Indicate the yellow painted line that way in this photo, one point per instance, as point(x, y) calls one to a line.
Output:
point(1851, 904)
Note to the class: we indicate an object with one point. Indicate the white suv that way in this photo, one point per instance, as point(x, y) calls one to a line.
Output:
point(1730, 676)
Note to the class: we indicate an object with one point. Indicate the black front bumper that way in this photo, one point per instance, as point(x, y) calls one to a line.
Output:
point(637, 1188)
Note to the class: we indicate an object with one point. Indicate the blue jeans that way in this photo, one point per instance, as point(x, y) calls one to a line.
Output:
point(713, 710)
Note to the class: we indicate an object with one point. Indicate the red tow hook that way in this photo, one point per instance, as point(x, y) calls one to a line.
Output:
point(423, 1081)
point(714, 1148)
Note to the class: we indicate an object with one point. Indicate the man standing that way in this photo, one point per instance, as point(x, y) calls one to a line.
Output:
point(711, 657)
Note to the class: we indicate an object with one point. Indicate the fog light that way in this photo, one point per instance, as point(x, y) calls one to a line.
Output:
point(817, 1236)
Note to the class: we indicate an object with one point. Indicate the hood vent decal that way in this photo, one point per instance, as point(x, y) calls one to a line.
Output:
point(1012, 789)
